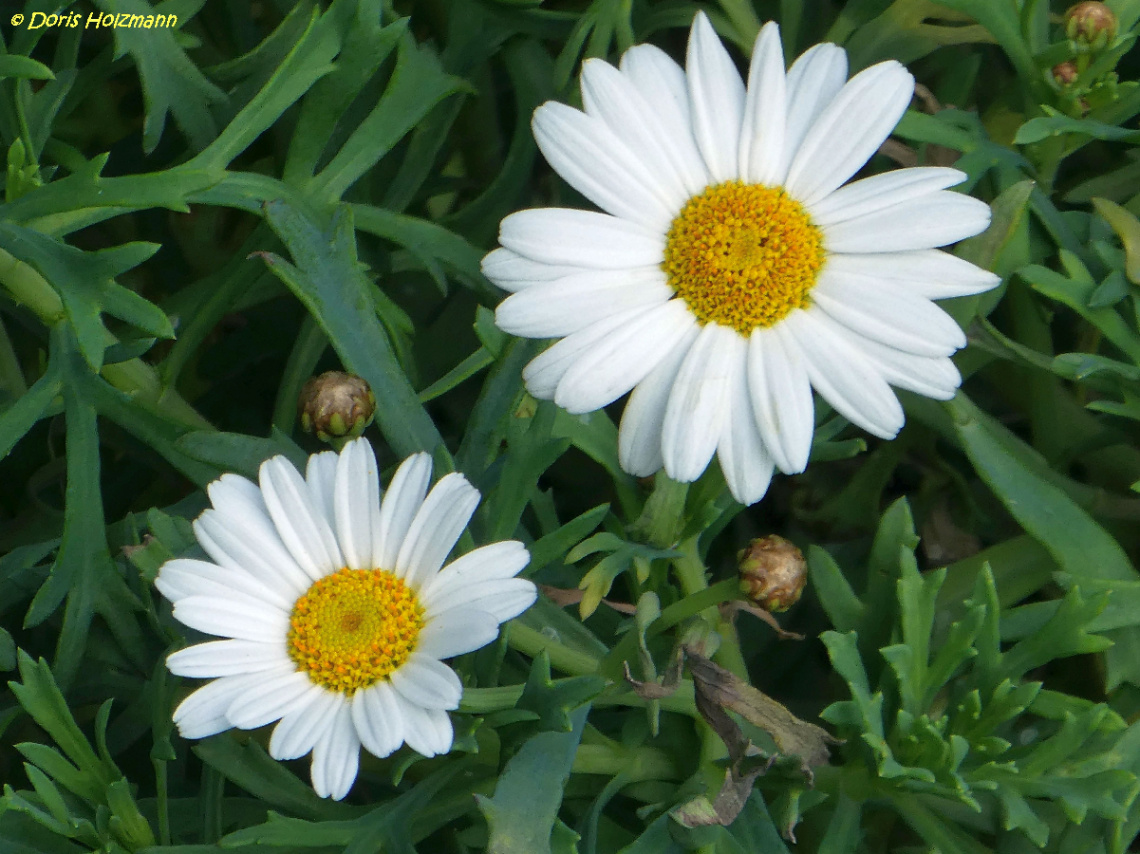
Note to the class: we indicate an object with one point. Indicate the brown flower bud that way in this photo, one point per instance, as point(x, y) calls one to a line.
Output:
point(336, 405)
point(1065, 73)
point(1092, 23)
point(773, 573)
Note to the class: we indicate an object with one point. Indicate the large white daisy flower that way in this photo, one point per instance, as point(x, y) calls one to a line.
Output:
point(335, 609)
point(731, 272)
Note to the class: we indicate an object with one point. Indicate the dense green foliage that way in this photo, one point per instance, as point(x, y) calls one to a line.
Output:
point(196, 220)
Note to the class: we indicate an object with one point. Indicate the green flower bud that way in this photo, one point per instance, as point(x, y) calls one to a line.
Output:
point(1091, 23)
point(335, 406)
point(773, 573)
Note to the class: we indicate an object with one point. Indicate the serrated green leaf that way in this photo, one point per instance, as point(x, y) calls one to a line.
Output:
point(172, 83)
point(522, 812)
point(552, 701)
point(329, 281)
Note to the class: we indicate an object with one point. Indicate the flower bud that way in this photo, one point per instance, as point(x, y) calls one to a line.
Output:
point(1065, 73)
point(1092, 23)
point(336, 405)
point(773, 573)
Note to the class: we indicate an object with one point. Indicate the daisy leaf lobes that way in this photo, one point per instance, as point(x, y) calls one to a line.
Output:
point(732, 271)
point(335, 609)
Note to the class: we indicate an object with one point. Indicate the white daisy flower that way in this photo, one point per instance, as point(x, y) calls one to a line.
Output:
point(731, 271)
point(335, 609)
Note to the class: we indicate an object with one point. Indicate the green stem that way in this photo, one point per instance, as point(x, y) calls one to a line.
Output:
point(531, 642)
point(163, 804)
point(690, 570)
point(481, 701)
point(11, 377)
point(135, 377)
point(638, 764)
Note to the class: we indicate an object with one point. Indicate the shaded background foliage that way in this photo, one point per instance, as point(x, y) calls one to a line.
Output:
point(196, 220)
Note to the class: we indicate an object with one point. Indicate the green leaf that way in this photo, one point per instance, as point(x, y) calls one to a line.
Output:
point(237, 452)
point(250, 767)
point(171, 82)
point(1044, 127)
point(432, 245)
point(843, 607)
point(553, 701)
point(21, 416)
point(1013, 471)
point(1127, 228)
point(42, 699)
point(307, 61)
point(86, 284)
point(329, 281)
point(417, 85)
point(14, 65)
point(522, 812)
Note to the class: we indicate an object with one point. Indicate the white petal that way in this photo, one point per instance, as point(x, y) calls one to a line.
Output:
point(203, 713)
point(404, 496)
point(566, 305)
point(698, 403)
point(592, 159)
point(781, 398)
point(878, 192)
point(850, 130)
point(765, 111)
point(427, 731)
point(932, 377)
point(275, 697)
point(926, 272)
point(623, 359)
point(934, 219)
point(608, 95)
point(544, 372)
point(505, 598)
point(842, 375)
point(251, 544)
point(305, 723)
point(456, 633)
point(232, 492)
point(427, 682)
point(184, 577)
point(492, 562)
point(234, 616)
point(306, 533)
point(716, 97)
point(662, 84)
point(581, 238)
point(813, 82)
point(378, 720)
point(356, 499)
point(436, 529)
point(336, 756)
point(320, 475)
point(512, 272)
point(639, 437)
point(746, 464)
point(227, 658)
point(885, 312)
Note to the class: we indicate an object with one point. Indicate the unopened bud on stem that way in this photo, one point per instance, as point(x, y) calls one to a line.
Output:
point(1091, 23)
point(336, 406)
point(773, 573)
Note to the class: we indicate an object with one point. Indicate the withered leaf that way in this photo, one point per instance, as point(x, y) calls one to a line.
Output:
point(717, 687)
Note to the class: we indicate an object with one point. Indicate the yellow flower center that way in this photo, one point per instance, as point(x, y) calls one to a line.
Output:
point(353, 628)
point(743, 255)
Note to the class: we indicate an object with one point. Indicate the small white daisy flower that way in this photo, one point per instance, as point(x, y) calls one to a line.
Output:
point(336, 610)
point(731, 272)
